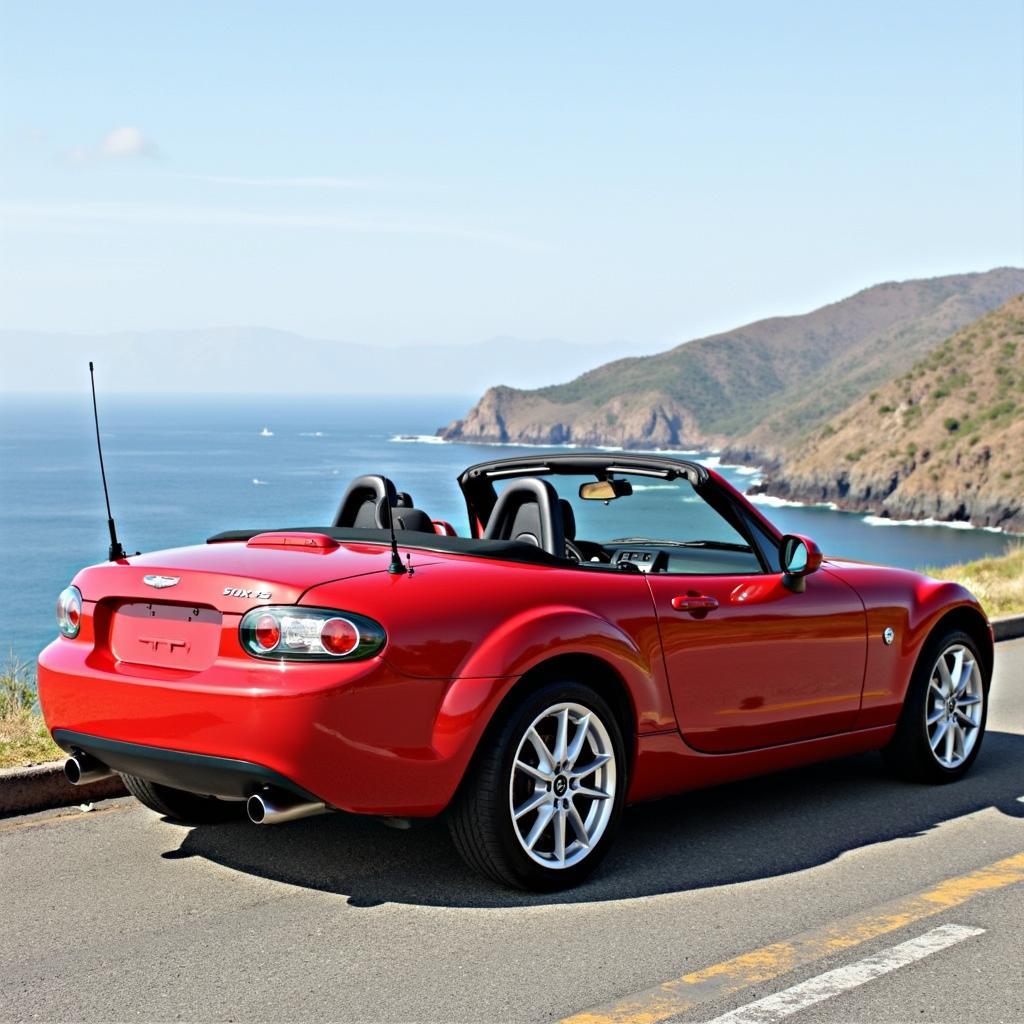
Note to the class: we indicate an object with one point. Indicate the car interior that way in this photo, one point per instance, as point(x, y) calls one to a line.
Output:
point(529, 510)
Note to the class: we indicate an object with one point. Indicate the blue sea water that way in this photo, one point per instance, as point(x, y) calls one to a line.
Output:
point(181, 469)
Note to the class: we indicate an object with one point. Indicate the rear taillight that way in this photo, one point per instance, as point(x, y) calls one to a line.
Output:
point(309, 634)
point(69, 612)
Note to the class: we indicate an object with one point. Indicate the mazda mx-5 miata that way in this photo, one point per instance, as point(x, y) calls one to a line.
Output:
point(616, 628)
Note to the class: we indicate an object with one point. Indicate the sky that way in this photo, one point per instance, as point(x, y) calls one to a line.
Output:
point(446, 173)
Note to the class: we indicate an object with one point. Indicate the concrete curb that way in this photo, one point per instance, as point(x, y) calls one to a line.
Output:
point(1009, 627)
point(43, 786)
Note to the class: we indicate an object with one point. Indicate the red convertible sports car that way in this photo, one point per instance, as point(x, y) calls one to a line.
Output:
point(616, 628)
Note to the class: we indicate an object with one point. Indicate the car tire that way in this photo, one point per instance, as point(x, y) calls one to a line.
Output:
point(509, 790)
point(179, 805)
point(942, 724)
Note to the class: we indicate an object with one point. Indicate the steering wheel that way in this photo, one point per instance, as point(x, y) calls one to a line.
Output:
point(573, 553)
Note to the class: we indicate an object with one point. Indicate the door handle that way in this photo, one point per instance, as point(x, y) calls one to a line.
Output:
point(694, 603)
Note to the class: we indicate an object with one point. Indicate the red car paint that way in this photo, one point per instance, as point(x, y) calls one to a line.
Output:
point(723, 676)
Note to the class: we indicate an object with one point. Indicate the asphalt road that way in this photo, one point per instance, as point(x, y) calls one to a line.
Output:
point(118, 915)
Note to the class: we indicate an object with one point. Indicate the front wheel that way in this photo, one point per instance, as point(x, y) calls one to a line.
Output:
point(944, 714)
point(541, 803)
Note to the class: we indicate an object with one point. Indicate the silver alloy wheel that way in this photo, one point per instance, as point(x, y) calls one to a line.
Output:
point(953, 708)
point(562, 789)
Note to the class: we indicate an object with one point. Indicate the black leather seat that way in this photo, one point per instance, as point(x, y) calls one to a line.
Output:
point(358, 507)
point(528, 511)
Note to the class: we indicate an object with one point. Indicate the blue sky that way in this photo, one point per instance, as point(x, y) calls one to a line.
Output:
point(396, 174)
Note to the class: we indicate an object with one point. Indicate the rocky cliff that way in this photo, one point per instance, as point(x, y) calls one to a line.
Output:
point(945, 440)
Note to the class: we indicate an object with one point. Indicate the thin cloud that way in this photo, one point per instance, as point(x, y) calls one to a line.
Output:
point(125, 142)
point(67, 214)
point(310, 182)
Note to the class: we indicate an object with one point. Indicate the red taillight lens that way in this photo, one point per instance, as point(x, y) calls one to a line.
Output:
point(296, 633)
point(339, 637)
point(69, 612)
point(267, 632)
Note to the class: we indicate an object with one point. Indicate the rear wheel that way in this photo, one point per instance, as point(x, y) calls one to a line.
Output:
point(190, 808)
point(944, 714)
point(542, 801)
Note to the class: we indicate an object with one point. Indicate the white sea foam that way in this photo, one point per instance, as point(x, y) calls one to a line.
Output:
point(950, 524)
point(312, 433)
point(773, 502)
point(259, 483)
point(418, 439)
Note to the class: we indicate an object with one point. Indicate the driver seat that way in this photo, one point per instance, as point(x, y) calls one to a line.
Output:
point(528, 511)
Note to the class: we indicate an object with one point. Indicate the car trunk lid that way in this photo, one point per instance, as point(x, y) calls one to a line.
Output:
point(168, 609)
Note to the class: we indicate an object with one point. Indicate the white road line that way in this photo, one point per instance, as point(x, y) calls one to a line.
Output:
point(831, 983)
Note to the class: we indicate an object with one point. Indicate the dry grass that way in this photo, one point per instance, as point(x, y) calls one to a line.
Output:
point(24, 739)
point(997, 582)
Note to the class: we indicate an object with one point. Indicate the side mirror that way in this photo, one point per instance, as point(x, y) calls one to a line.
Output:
point(798, 557)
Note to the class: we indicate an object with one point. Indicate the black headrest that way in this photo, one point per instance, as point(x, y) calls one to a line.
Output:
point(359, 506)
point(414, 519)
point(568, 519)
point(405, 500)
point(526, 511)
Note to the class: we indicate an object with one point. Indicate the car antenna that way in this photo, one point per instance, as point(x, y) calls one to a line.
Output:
point(396, 568)
point(116, 551)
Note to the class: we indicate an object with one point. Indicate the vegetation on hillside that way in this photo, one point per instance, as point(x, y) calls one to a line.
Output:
point(24, 739)
point(998, 583)
point(943, 440)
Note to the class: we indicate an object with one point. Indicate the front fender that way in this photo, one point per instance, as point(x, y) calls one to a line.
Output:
point(912, 606)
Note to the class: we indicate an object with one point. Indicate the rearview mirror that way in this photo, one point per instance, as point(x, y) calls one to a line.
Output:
point(798, 557)
point(605, 490)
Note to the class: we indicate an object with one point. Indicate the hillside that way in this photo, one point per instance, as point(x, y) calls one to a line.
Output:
point(944, 441)
point(757, 389)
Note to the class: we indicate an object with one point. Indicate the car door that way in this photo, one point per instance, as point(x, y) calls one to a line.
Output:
point(751, 663)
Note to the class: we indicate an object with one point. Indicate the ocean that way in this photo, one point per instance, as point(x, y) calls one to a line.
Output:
point(180, 469)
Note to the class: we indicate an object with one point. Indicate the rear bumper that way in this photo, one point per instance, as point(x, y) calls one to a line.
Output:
point(223, 777)
point(360, 737)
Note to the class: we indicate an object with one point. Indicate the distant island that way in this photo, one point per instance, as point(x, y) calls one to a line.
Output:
point(905, 400)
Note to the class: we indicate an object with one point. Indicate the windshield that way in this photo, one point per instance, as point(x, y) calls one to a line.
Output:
point(662, 526)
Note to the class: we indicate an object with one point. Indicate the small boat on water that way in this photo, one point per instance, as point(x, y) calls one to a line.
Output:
point(265, 432)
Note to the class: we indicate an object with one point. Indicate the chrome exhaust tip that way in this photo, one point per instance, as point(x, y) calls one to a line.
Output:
point(275, 807)
point(80, 769)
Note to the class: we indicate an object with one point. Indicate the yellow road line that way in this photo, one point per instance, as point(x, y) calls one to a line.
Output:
point(768, 962)
point(56, 819)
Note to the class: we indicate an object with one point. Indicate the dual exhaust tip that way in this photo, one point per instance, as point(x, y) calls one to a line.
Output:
point(80, 769)
point(275, 806)
point(269, 806)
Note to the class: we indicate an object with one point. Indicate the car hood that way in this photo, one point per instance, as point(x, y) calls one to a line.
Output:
point(231, 577)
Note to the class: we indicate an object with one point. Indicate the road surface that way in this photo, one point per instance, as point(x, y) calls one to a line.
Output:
point(826, 894)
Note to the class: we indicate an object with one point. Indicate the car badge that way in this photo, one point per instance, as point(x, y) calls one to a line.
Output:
point(161, 581)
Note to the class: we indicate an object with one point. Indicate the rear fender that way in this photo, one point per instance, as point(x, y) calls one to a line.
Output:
point(524, 643)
